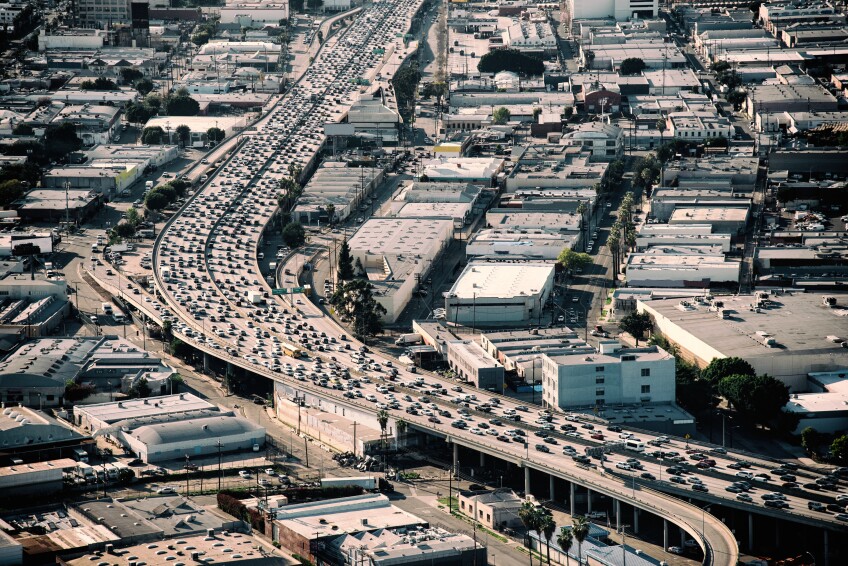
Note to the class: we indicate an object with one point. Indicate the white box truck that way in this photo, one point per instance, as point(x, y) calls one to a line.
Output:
point(254, 297)
point(107, 308)
point(411, 338)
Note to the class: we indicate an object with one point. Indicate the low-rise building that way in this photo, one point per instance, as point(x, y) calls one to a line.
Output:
point(785, 338)
point(477, 170)
point(50, 205)
point(500, 293)
point(496, 510)
point(35, 478)
point(397, 253)
point(605, 142)
point(726, 220)
point(681, 267)
point(105, 178)
point(158, 429)
point(789, 98)
point(613, 375)
point(94, 123)
point(517, 244)
point(472, 364)
point(699, 125)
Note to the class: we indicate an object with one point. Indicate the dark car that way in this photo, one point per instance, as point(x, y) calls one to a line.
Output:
point(776, 503)
point(700, 487)
point(614, 428)
point(835, 507)
point(647, 476)
point(503, 438)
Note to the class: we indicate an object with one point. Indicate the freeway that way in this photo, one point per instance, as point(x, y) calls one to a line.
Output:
point(206, 262)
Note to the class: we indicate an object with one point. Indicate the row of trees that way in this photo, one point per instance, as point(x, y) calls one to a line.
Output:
point(178, 103)
point(540, 519)
point(622, 234)
point(510, 60)
point(163, 195)
point(354, 299)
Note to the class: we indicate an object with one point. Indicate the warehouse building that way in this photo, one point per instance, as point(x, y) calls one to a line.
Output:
point(39, 478)
point(472, 364)
point(613, 375)
point(30, 435)
point(784, 335)
point(493, 509)
point(508, 293)
point(726, 220)
point(681, 267)
point(517, 244)
point(396, 254)
point(170, 427)
point(825, 408)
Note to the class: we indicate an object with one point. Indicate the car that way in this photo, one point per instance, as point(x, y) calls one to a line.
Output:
point(542, 448)
point(614, 428)
point(816, 506)
point(842, 498)
point(264, 482)
point(270, 472)
point(746, 475)
point(623, 466)
point(744, 497)
point(244, 474)
point(733, 489)
point(167, 490)
point(677, 479)
point(835, 507)
point(842, 516)
point(700, 487)
point(647, 476)
point(776, 503)
point(675, 550)
point(139, 462)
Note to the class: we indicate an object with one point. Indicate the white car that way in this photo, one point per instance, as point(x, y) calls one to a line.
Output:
point(167, 490)
point(244, 474)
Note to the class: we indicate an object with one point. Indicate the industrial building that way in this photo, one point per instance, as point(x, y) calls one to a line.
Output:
point(696, 266)
point(158, 429)
point(825, 407)
point(493, 509)
point(396, 254)
point(613, 375)
point(472, 364)
point(658, 235)
point(335, 183)
point(500, 293)
point(35, 478)
point(725, 220)
point(30, 435)
point(784, 335)
point(50, 205)
point(517, 244)
point(618, 9)
point(477, 170)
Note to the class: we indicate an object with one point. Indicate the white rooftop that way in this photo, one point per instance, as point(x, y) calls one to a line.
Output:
point(502, 280)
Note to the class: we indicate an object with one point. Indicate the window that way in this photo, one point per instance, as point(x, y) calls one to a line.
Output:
point(646, 389)
point(646, 372)
point(599, 392)
point(599, 380)
point(599, 369)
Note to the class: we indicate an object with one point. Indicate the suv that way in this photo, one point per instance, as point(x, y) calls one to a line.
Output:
point(816, 506)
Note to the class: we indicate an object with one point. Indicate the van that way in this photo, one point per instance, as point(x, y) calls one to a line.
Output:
point(106, 308)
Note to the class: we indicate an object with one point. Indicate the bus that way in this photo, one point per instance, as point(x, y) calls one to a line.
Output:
point(634, 445)
point(290, 349)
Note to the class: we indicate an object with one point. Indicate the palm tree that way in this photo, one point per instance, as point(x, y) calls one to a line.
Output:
point(581, 210)
point(383, 420)
point(580, 530)
point(565, 540)
point(400, 426)
point(547, 525)
point(530, 517)
point(662, 126)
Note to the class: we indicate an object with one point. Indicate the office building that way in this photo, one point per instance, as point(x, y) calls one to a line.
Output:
point(618, 9)
point(613, 375)
point(496, 510)
point(472, 364)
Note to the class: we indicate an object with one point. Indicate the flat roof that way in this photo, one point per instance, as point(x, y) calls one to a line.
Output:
point(23, 469)
point(502, 280)
point(798, 323)
point(473, 352)
point(152, 406)
point(709, 214)
point(434, 210)
point(644, 354)
point(400, 236)
point(827, 402)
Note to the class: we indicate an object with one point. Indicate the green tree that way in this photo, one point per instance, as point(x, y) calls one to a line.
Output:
point(756, 398)
point(529, 515)
point(719, 368)
point(565, 540)
point(580, 530)
point(331, 213)
point(294, 235)
point(315, 5)
point(572, 260)
point(183, 134)
point(138, 113)
point(155, 201)
point(130, 75)
point(405, 84)
point(182, 105)
point(355, 300)
point(636, 324)
point(736, 97)
point(144, 86)
point(100, 83)
point(152, 135)
point(810, 439)
point(125, 230)
point(510, 60)
point(296, 5)
point(839, 448)
point(200, 38)
point(215, 135)
point(501, 115)
point(568, 113)
point(693, 393)
point(383, 421)
point(140, 389)
point(75, 392)
point(10, 191)
point(133, 216)
point(22, 129)
point(61, 140)
point(632, 66)
point(345, 262)
point(547, 525)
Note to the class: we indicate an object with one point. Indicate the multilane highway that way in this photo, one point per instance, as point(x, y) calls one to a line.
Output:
point(205, 263)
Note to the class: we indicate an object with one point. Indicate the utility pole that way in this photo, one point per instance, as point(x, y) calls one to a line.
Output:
point(220, 472)
point(67, 208)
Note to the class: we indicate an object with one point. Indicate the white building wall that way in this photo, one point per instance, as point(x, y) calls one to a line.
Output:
point(676, 276)
point(231, 15)
point(702, 352)
point(619, 9)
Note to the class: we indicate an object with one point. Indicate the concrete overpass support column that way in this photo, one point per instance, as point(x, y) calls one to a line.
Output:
point(482, 459)
point(665, 534)
point(588, 500)
point(617, 515)
point(551, 495)
point(571, 496)
point(635, 520)
point(683, 537)
point(750, 531)
point(455, 456)
point(526, 480)
point(826, 549)
point(205, 362)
